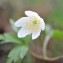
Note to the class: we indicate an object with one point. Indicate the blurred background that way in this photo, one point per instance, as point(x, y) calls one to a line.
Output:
point(50, 10)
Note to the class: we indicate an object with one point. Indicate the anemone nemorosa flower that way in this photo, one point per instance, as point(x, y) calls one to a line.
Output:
point(32, 24)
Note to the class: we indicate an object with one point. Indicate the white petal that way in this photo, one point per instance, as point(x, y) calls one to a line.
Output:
point(21, 21)
point(36, 34)
point(31, 13)
point(23, 32)
point(42, 26)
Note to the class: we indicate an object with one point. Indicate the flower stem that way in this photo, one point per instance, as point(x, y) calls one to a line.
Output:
point(47, 38)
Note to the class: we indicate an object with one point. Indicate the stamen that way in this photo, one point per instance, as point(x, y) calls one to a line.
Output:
point(33, 24)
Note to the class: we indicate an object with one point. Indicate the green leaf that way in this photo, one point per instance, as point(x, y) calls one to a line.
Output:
point(17, 53)
point(1, 37)
point(12, 38)
point(14, 54)
point(23, 52)
point(58, 34)
point(9, 60)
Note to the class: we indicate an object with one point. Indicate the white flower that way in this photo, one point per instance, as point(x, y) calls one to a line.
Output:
point(32, 24)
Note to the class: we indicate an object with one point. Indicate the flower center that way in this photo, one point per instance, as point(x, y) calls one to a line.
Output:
point(33, 24)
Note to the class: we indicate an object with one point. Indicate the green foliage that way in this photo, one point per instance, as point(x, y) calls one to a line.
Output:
point(8, 37)
point(23, 51)
point(20, 50)
point(1, 37)
point(58, 34)
point(17, 53)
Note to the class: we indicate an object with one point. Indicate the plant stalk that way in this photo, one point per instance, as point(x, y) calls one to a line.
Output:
point(47, 38)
